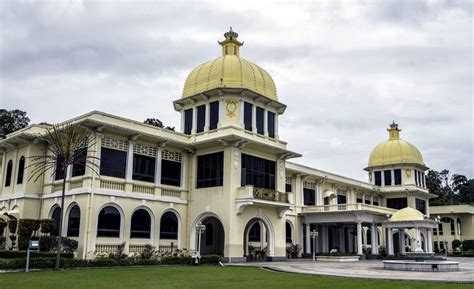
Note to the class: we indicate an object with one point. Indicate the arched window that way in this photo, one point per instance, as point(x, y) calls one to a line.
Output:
point(109, 222)
point(254, 233)
point(209, 234)
point(169, 226)
point(55, 216)
point(8, 177)
point(21, 170)
point(141, 224)
point(288, 233)
point(74, 221)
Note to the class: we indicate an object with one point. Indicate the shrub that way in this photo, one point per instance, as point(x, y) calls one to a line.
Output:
point(26, 227)
point(12, 226)
point(120, 252)
point(3, 224)
point(147, 252)
point(46, 243)
point(23, 242)
point(47, 225)
point(69, 245)
point(456, 244)
point(468, 245)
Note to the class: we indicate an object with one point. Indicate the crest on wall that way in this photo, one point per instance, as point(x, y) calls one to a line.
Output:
point(231, 107)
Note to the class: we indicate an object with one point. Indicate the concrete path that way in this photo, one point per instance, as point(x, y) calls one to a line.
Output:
point(370, 269)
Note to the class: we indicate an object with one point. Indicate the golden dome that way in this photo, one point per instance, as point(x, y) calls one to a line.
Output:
point(407, 214)
point(230, 71)
point(395, 151)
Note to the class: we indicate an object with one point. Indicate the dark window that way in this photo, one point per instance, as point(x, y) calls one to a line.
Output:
point(79, 165)
point(254, 233)
point(55, 216)
point(421, 205)
point(74, 222)
point(8, 177)
point(169, 226)
point(113, 162)
point(375, 202)
point(309, 197)
point(257, 172)
point(214, 114)
point(387, 177)
point(260, 120)
point(397, 203)
point(60, 169)
point(141, 224)
point(440, 229)
point(288, 188)
point(271, 124)
point(288, 233)
point(378, 178)
point(422, 177)
point(210, 170)
point(341, 199)
point(143, 168)
point(209, 234)
point(367, 201)
point(248, 107)
point(171, 173)
point(21, 170)
point(359, 200)
point(109, 222)
point(398, 176)
point(201, 118)
point(188, 121)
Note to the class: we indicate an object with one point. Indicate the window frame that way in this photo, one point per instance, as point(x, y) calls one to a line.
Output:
point(21, 170)
point(9, 173)
point(141, 231)
point(210, 170)
point(169, 179)
point(112, 171)
point(188, 121)
point(71, 232)
point(213, 115)
point(248, 116)
point(200, 118)
point(165, 235)
point(143, 168)
point(109, 232)
point(260, 120)
point(261, 173)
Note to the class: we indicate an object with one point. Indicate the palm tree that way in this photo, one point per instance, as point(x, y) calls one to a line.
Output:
point(66, 145)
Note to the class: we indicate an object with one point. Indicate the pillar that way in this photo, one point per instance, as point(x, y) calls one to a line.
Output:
point(429, 237)
point(308, 240)
point(254, 118)
point(193, 130)
point(276, 125)
point(265, 122)
point(374, 239)
point(341, 239)
point(208, 117)
point(359, 238)
point(129, 167)
point(401, 240)
point(389, 242)
point(325, 239)
point(456, 233)
point(418, 241)
point(159, 150)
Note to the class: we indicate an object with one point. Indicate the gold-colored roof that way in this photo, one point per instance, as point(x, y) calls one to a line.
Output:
point(395, 151)
point(407, 214)
point(230, 71)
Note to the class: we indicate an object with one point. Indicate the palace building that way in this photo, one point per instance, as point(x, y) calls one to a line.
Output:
point(226, 168)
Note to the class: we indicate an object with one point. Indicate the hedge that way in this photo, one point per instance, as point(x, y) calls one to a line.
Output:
point(45, 263)
point(468, 245)
point(7, 254)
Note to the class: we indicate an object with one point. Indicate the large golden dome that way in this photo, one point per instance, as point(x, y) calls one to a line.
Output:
point(230, 71)
point(395, 151)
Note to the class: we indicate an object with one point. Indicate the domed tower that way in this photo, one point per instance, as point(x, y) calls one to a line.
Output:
point(229, 91)
point(397, 167)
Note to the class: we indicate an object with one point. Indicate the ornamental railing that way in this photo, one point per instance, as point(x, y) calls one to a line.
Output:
point(269, 195)
point(348, 207)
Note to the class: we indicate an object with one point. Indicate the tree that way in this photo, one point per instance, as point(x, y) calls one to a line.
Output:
point(12, 120)
point(158, 123)
point(453, 190)
point(66, 145)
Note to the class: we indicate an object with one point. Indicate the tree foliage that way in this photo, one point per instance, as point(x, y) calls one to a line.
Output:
point(12, 120)
point(451, 189)
point(158, 123)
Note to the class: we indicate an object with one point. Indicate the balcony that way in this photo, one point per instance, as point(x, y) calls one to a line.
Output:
point(249, 195)
point(349, 207)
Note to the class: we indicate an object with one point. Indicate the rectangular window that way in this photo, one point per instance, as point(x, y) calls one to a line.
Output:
point(422, 177)
point(201, 118)
point(288, 188)
point(214, 114)
point(260, 120)
point(170, 173)
point(210, 170)
point(398, 176)
point(271, 124)
point(309, 197)
point(367, 201)
point(257, 172)
point(341, 199)
point(248, 107)
point(397, 203)
point(421, 205)
point(378, 178)
point(79, 167)
point(188, 121)
point(113, 162)
point(387, 175)
point(143, 168)
point(60, 170)
point(359, 200)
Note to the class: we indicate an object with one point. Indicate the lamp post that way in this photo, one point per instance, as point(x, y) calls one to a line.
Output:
point(437, 220)
point(200, 228)
point(314, 234)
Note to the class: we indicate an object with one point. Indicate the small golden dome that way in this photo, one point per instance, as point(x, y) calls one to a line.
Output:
point(407, 214)
point(395, 151)
point(230, 71)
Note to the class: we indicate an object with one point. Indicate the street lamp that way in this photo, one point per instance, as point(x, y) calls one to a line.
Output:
point(200, 228)
point(314, 234)
point(438, 221)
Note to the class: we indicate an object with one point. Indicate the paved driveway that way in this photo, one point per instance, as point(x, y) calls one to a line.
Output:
point(370, 269)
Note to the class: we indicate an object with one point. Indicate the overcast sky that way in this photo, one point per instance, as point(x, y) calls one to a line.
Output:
point(345, 69)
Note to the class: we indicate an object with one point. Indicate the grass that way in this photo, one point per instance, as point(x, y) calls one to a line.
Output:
point(197, 277)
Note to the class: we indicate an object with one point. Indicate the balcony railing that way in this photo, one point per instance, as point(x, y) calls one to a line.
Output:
point(348, 207)
point(269, 195)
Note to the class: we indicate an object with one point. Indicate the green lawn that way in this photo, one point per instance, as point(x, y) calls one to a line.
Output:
point(196, 277)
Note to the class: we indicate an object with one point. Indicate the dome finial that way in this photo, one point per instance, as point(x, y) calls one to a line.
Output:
point(394, 131)
point(230, 45)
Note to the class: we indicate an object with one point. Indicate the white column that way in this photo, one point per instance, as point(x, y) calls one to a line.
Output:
point(341, 239)
point(325, 239)
point(373, 236)
point(182, 120)
point(359, 238)
point(456, 233)
point(389, 242)
point(68, 172)
point(318, 240)
point(193, 131)
point(401, 240)
point(418, 241)
point(221, 113)
point(208, 117)
point(276, 125)
point(184, 164)
point(308, 240)
point(429, 237)
point(254, 118)
point(129, 168)
point(265, 122)
point(159, 150)
point(382, 177)
point(242, 110)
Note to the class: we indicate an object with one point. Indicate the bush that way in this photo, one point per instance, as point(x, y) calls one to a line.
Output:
point(210, 259)
point(456, 244)
point(23, 242)
point(47, 225)
point(26, 227)
point(46, 243)
point(49, 243)
point(468, 245)
point(8, 254)
point(3, 224)
point(147, 252)
point(12, 226)
point(68, 245)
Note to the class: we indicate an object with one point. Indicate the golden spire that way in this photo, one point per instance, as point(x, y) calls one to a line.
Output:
point(230, 46)
point(394, 131)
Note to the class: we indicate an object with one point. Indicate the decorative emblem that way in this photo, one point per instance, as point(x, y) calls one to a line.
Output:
point(408, 172)
point(231, 107)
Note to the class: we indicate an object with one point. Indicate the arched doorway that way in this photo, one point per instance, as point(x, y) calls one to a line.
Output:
point(212, 240)
point(258, 239)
